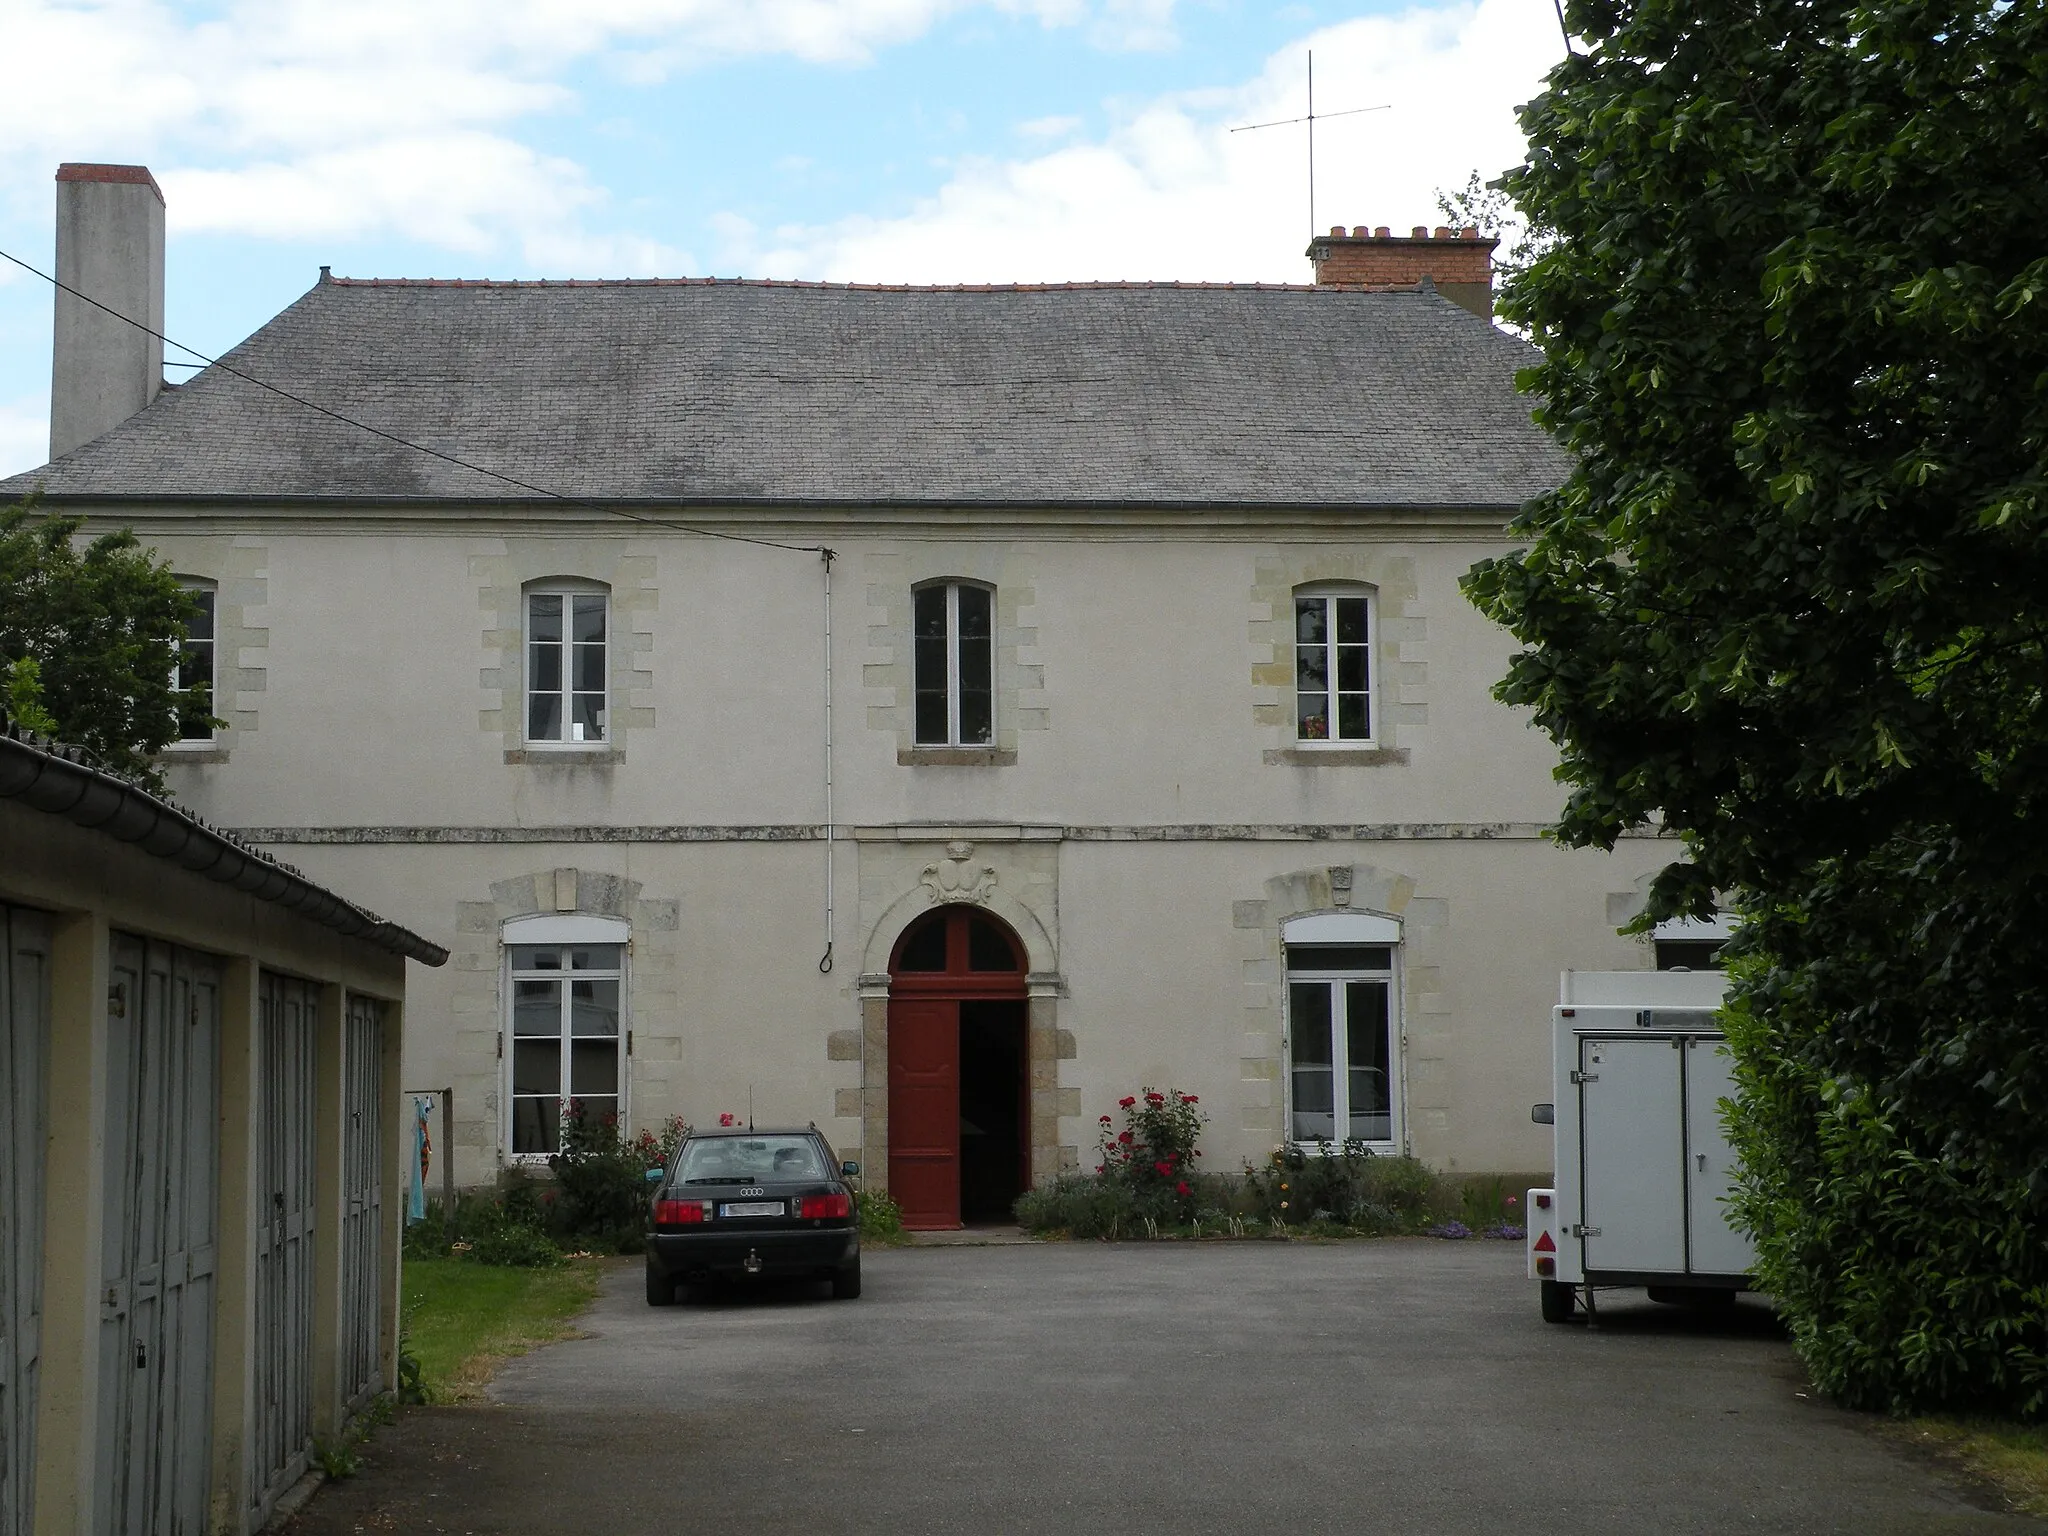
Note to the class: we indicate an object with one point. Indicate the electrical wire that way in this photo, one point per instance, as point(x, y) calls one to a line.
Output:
point(405, 442)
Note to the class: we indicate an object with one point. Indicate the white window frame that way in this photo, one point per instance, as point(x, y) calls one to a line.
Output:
point(210, 591)
point(1396, 1140)
point(568, 592)
point(953, 737)
point(565, 932)
point(1328, 593)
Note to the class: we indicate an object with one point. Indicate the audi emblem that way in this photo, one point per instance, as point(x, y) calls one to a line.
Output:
point(753, 1192)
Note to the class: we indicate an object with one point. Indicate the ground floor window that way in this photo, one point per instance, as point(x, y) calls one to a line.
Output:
point(1342, 1067)
point(566, 1037)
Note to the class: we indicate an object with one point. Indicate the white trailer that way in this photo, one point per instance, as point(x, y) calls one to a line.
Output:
point(1643, 1167)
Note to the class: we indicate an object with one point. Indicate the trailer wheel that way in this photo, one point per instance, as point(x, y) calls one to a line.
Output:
point(1559, 1301)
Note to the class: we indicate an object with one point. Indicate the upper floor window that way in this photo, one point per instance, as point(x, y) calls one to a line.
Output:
point(1333, 664)
point(193, 666)
point(567, 666)
point(953, 625)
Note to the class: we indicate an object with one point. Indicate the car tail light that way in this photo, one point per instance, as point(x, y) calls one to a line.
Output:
point(678, 1213)
point(824, 1207)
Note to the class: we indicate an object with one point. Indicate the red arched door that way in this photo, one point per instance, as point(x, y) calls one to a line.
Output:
point(959, 1070)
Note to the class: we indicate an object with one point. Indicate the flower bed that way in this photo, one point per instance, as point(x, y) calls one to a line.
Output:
point(1148, 1183)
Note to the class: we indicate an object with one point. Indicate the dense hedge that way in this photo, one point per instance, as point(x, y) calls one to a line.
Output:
point(1893, 1123)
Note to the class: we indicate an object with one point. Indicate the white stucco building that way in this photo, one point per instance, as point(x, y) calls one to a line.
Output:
point(1144, 738)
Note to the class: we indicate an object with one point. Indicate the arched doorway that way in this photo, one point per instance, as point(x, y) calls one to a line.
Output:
point(959, 1070)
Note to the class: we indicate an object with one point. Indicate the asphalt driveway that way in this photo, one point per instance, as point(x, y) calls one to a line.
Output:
point(1383, 1387)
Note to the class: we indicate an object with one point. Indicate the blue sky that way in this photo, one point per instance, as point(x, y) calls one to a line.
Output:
point(876, 140)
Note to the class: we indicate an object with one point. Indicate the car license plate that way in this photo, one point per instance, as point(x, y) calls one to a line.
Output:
point(751, 1208)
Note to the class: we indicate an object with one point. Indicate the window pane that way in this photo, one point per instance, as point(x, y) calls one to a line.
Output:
point(925, 948)
point(1351, 719)
point(543, 667)
point(593, 1068)
point(1310, 1066)
point(200, 625)
point(1312, 715)
point(544, 617)
point(537, 1066)
point(595, 1110)
point(544, 717)
point(589, 668)
point(536, 1007)
point(1371, 1077)
point(532, 957)
point(195, 670)
point(1689, 954)
point(1351, 668)
point(977, 717)
point(597, 957)
point(931, 718)
point(975, 613)
point(929, 612)
point(586, 722)
point(1339, 957)
point(589, 619)
point(987, 949)
point(1350, 620)
point(1310, 620)
point(1311, 668)
point(536, 1124)
point(977, 666)
point(735, 1159)
point(593, 1007)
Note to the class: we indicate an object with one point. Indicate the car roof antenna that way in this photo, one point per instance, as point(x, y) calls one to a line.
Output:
point(750, 1106)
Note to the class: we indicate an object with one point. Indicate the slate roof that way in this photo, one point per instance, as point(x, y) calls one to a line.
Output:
point(702, 391)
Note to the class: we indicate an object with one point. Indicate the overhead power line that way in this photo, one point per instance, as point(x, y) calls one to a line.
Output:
point(406, 442)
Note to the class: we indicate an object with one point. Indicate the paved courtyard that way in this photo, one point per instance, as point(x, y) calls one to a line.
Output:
point(1384, 1388)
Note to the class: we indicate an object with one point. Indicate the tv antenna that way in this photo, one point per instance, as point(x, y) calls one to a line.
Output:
point(1283, 122)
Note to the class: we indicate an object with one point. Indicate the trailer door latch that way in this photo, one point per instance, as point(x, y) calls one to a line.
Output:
point(1581, 1230)
point(1585, 1077)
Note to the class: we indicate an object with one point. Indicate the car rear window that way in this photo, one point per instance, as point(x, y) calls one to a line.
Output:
point(750, 1160)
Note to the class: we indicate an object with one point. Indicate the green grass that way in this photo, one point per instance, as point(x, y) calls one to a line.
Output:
point(461, 1319)
point(2013, 1457)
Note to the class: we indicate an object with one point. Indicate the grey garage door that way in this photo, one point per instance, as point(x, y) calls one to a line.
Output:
point(24, 1040)
point(157, 1259)
point(362, 1172)
point(281, 1436)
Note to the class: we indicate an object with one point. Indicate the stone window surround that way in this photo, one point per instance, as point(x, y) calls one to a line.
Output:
point(892, 574)
point(592, 563)
point(1398, 637)
point(654, 1044)
point(239, 574)
point(1419, 1003)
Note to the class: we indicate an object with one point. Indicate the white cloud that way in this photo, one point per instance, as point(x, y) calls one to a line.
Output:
point(1049, 127)
point(288, 118)
point(1170, 192)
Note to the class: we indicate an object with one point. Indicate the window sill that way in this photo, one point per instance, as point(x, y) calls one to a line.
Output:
point(1339, 757)
point(182, 753)
point(956, 757)
point(567, 756)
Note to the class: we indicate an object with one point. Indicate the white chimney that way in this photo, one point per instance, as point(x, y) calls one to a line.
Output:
point(110, 247)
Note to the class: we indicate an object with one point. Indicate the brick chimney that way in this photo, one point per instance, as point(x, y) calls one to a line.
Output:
point(110, 246)
point(1458, 261)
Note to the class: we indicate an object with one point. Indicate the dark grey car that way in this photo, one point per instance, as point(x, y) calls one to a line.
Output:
point(738, 1204)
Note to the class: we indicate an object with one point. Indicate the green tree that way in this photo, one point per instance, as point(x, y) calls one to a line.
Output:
point(1790, 605)
point(89, 637)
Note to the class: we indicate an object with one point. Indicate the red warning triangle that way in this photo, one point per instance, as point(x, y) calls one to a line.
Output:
point(1544, 1244)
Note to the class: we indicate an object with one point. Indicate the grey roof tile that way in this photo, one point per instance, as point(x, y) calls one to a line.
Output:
point(701, 391)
